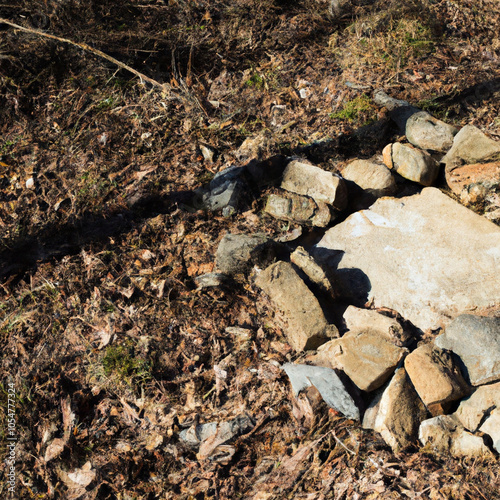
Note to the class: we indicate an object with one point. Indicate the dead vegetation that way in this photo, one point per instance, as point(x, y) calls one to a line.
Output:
point(111, 347)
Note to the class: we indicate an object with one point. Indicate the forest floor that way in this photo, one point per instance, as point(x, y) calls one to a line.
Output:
point(106, 341)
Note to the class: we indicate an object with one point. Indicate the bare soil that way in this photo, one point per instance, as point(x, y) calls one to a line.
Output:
point(108, 342)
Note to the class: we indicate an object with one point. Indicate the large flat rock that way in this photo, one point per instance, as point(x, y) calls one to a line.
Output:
point(425, 256)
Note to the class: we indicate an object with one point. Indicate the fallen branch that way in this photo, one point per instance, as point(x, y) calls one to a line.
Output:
point(163, 86)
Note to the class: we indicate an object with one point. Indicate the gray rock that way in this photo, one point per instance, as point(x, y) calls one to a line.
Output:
point(492, 427)
point(366, 357)
point(305, 324)
point(396, 412)
point(300, 209)
point(236, 253)
point(411, 163)
point(210, 280)
point(368, 320)
point(473, 410)
point(306, 263)
point(374, 178)
point(223, 191)
point(318, 184)
point(476, 342)
point(471, 145)
point(327, 382)
point(399, 111)
point(427, 132)
point(435, 377)
point(445, 434)
point(425, 256)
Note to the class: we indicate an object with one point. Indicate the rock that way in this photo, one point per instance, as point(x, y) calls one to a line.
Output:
point(492, 427)
point(254, 147)
point(327, 382)
point(306, 325)
point(306, 263)
point(425, 256)
point(435, 377)
point(446, 435)
point(366, 358)
point(375, 178)
point(411, 163)
point(471, 145)
point(476, 342)
point(210, 280)
point(473, 410)
point(368, 320)
point(427, 132)
point(396, 412)
point(474, 183)
point(223, 191)
point(399, 111)
point(300, 209)
point(318, 184)
point(236, 253)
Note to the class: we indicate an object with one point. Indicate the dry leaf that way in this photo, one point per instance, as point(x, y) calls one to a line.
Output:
point(83, 476)
point(54, 449)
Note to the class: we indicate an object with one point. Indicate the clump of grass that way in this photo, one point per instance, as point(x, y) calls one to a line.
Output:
point(121, 364)
point(359, 109)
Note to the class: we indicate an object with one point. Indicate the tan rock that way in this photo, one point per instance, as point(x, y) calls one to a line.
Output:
point(305, 324)
point(396, 413)
point(472, 410)
point(366, 357)
point(365, 320)
point(435, 377)
point(427, 132)
point(492, 427)
point(374, 178)
point(318, 184)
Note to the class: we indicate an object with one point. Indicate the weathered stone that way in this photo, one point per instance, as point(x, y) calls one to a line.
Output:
point(411, 163)
point(474, 409)
point(399, 111)
point(427, 132)
point(487, 174)
point(435, 377)
point(368, 320)
point(366, 358)
point(306, 325)
point(425, 256)
point(306, 263)
point(254, 147)
point(471, 145)
point(375, 178)
point(237, 252)
point(396, 412)
point(492, 427)
point(476, 342)
point(300, 209)
point(210, 280)
point(327, 382)
point(445, 434)
point(318, 184)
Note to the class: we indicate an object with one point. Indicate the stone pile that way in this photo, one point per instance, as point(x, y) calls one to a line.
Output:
point(405, 269)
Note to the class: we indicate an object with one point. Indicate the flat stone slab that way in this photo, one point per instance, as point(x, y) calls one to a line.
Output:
point(328, 383)
point(476, 342)
point(425, 256)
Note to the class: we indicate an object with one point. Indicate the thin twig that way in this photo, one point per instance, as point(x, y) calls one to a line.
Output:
point(163, 86)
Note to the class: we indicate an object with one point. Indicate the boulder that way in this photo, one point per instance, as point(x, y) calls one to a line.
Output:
point(366, 358)
point(327, 382)
point(445, 434)
point(473, 410)
point(396, 412)
point(374, 178)
point(435, 377)
point(300, 209)
point(368, 320)
point(318, 184)
point(476, 342)
point(305, 324)
point(426, 132)
point(425, 256)
point(492, 427)
point(411, 163)
point(471, 145)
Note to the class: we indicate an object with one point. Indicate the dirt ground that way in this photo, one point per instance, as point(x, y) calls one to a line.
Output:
point(108, 345)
